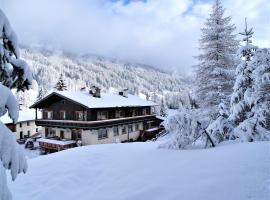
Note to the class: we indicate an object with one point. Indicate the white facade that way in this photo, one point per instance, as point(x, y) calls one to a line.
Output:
point(89, 137)
point(25, 129)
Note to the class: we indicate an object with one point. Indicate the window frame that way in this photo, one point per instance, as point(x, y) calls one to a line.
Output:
point(102, 133)
point(77, 115)
point(64, 114)
point(115, 131)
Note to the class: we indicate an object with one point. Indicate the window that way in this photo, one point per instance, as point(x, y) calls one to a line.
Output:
point(28, 133)
point(134, 112)
point(124, 130)
point(62, 114)
point(48, 114)
point(144, 111)
point(115, 131)
point(102, 134)
point(79, 115)
point(28, 123)
point(36, 129)
point(101, 115)
point(21, 125)
point(137, 127)
point(130, 128)
point(119, 114)
point(63, 101)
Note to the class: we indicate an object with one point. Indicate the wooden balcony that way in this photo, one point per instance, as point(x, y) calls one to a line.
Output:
point(93, 124)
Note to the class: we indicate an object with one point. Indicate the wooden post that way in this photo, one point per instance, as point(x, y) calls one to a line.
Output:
point(36, 113)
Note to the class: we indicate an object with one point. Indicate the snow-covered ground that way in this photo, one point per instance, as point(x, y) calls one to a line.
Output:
point(142, 171)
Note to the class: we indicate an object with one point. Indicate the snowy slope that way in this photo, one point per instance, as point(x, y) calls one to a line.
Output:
point(141, 171)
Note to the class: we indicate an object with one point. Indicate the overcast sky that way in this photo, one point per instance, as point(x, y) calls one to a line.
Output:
point(161, 33)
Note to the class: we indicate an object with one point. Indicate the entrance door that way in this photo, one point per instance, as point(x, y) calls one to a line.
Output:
point(76, 134)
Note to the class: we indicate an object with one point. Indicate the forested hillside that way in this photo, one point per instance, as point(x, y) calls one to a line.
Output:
point(87, 70)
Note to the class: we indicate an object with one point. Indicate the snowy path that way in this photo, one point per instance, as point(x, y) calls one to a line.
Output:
point(140, 171)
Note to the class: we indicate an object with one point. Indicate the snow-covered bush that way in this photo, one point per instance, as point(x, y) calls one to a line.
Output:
point(14, 73)
point(184, 128)
point(220, 129)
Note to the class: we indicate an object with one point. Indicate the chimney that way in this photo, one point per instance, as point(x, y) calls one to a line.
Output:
point(124, 92)
point(95, 91)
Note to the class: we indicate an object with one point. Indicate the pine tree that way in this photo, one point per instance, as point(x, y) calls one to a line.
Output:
point(215, 72)
point(14, 73)
point(61, 84)
point(243, 84)
point(163, 109)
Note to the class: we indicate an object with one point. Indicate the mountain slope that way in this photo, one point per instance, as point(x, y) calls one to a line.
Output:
point(81, 71)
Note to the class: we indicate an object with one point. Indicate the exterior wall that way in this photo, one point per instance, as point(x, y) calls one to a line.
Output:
point(63, 105)
point(91, 136)
point(24, 128)
point(67, 132)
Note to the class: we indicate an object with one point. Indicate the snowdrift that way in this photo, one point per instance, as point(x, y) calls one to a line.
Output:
point(142, 171)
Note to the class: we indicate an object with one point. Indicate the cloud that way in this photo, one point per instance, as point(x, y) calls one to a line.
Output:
point(162, 33)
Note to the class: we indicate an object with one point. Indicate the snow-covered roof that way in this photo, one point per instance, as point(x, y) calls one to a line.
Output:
point(60, 142)
point(107, 100)
point(24, 115)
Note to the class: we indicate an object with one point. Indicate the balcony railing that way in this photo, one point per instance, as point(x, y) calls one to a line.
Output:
point(93, 124)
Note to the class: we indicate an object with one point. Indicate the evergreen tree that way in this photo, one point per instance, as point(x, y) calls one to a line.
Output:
point(61, 84)
point(243, 84)
point(261, 95)
point(215, 72)
point(14, 73)
point(163, 109)
point(255, 126)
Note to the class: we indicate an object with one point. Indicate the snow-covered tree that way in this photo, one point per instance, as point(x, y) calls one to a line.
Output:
point(14, 73)
point(215, 72)
point(61, 84)
point(185, 128)
point(240, 108)
point(256, 124)
point(261, 76)
point(41, 93)
point(163, 108)
point(221, 128)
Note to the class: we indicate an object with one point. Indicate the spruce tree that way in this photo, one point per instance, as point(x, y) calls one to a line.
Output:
point(61, 84)
point(255, 126)
point(242, 89)
point(261, 76)
point(163, 109)
point(215, 72)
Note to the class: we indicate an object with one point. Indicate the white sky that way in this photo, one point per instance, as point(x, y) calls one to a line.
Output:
point(161, 33)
